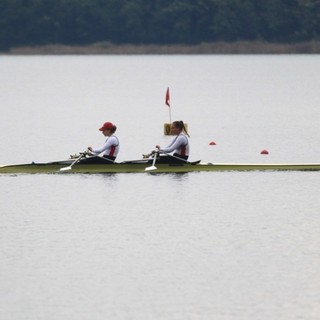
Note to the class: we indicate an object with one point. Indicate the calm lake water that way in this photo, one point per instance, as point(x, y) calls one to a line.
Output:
point(221, 245)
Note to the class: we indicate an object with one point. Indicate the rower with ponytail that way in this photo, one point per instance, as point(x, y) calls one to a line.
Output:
point(179, 145)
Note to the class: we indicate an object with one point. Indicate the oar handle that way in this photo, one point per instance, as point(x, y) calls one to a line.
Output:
point(84, 153)
point(148, 155)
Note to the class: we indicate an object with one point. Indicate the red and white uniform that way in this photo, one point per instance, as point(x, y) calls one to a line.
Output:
point(110, 148)
point(180, 146)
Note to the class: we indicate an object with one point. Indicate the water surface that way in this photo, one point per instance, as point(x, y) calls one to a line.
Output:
point(220, 245)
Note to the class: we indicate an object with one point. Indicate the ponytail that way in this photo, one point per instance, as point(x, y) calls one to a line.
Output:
point(184, 128)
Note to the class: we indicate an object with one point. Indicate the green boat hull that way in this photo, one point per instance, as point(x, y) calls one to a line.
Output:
point(141, 166)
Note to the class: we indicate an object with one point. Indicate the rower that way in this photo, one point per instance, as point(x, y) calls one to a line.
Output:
point(179, 145)
point(108, 152)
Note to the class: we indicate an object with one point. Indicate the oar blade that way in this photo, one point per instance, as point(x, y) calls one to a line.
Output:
point(66, 168)
point(151, 168)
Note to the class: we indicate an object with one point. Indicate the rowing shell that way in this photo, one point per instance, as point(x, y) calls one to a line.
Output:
point(143, 165)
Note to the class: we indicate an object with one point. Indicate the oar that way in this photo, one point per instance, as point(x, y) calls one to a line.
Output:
point(106, 159)
point(184, 160)
point(96, 156)
point(153, 167)
point(74, 162)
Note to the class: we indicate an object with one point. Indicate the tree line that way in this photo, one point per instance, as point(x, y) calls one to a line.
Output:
point(160, 22)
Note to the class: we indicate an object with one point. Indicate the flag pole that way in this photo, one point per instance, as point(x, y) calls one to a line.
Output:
point(167, 126)
point(168, 102)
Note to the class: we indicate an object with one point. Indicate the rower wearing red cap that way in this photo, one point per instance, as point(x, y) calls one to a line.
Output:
point(110, 148)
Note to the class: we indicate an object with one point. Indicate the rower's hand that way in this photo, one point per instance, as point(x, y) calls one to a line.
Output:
point(89, 152)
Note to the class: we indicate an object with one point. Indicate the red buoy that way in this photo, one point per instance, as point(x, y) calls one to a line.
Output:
point(212, 143)
point(264, 152)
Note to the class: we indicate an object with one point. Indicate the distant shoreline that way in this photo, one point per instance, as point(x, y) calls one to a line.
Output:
point(106, 48)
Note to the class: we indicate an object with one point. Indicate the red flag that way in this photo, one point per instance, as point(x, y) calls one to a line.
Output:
point(168, 98)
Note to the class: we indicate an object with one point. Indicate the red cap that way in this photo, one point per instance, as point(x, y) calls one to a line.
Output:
point(107, 125)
